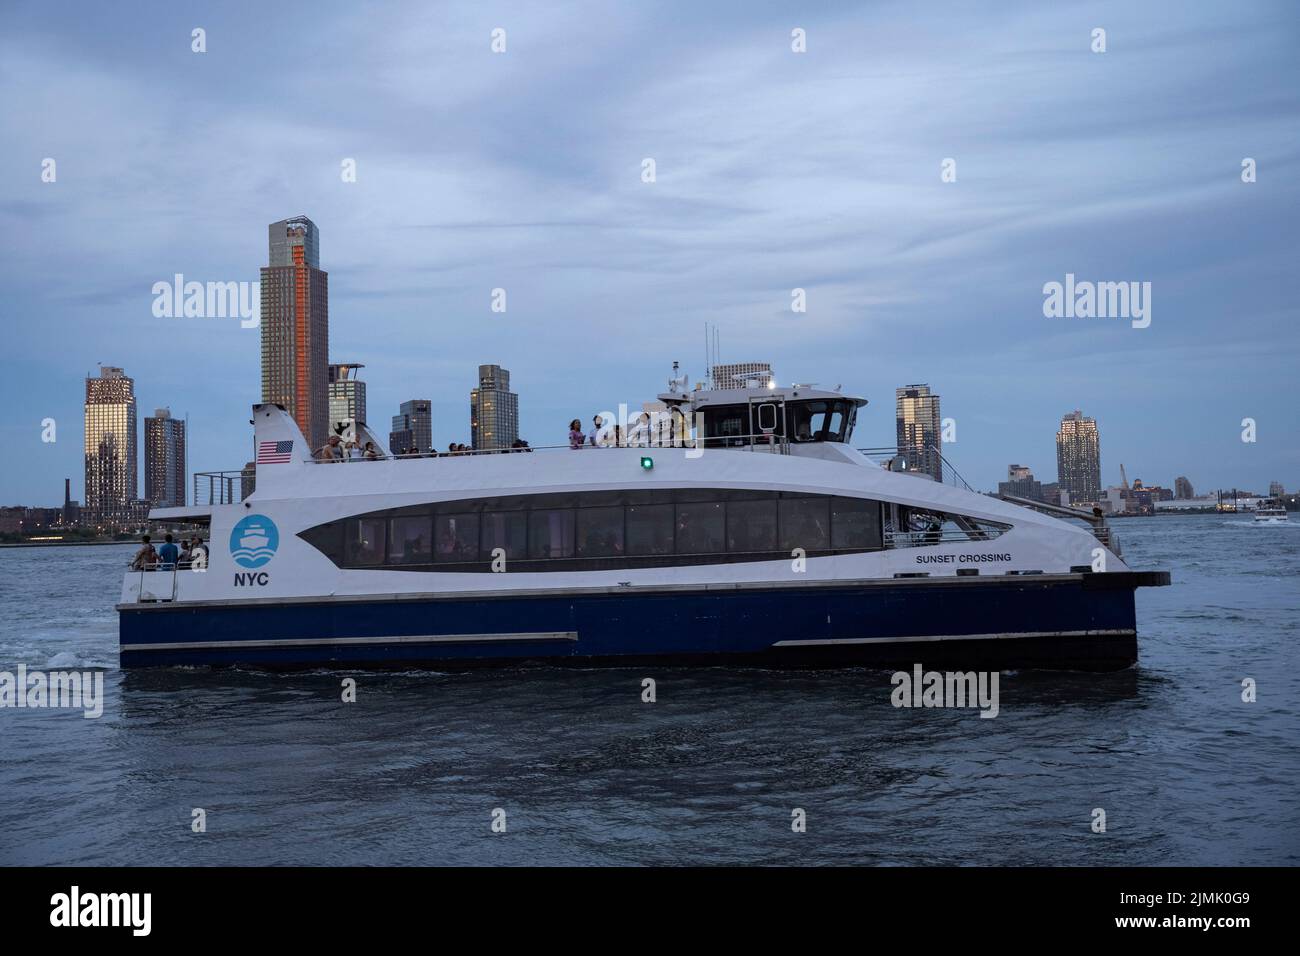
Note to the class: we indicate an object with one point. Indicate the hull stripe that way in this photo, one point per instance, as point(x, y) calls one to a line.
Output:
point(830, 642)
point(336, 641)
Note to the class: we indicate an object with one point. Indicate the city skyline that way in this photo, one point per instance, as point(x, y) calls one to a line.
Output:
point(509, 190)
point(112, 387)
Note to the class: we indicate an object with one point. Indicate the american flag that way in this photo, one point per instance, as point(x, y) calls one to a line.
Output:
point(274, 452)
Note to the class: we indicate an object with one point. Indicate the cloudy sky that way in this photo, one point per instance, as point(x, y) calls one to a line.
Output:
point(775, 170)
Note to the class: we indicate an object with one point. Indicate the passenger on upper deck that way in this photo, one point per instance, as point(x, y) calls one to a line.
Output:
point(575, 434)
point(145, 556)
point(168, 554)
point(330, 451)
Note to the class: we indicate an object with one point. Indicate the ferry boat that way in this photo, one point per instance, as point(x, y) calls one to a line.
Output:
point(1270, 511)
point(750, 532)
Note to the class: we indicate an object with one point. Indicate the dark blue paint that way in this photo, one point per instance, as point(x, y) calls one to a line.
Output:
point(708, 626)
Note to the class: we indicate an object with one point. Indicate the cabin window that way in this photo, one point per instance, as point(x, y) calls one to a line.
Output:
point(550, 533)
point(726, 425)
point(456, 537)
point(649, 529)
point(818, 420)
point(751, 526)
point(600, 532)
point(804, 523)
point(507, 531)
point(698, 527)
point(365, 541)
point(410, 540)
point(855, 524)
point(642, 528)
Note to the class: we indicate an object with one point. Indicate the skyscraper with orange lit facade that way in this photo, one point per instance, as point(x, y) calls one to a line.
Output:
point(295, 327)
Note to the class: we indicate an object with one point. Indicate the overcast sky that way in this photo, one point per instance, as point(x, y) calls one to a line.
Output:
point(775, 170)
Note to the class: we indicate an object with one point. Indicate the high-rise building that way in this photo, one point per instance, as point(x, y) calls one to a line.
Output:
point(1275, 489)
point(493, 410)
point(110, 445)
point(1183, 488)
point(412, 427)
point(1078, 458)
point(164, 460)
point(742, 375)
point(295, 327)
point(918, 421)
point(1021, 483)
point(347, 397)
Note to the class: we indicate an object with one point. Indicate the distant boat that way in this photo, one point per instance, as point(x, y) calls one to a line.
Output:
point(1270, 512)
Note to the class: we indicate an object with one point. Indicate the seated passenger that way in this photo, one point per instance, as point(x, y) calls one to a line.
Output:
point(372, 453)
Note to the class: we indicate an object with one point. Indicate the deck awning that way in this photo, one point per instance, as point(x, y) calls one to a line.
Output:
point(193, 514)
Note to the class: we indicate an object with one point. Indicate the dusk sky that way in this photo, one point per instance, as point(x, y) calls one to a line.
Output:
point(775, 170)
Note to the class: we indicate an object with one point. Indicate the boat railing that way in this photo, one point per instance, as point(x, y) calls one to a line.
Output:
point(1104, 534)
point(919, 539)
point(763, 442)
point(892, 458)
point(221, 487)
point(165, 574)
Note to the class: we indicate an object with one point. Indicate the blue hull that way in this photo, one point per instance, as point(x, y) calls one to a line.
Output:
point(1075, 621)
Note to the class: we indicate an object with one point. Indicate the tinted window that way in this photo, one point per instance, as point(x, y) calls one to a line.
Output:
point(817, 421)
point(365, 541)
point(600, 532)
point(607, 530)
point(550, 533)
point(698, 527)
point(410, 540)
point(855, 524)
point(649, 529)
point(805, 523)
point(751, 525)
point(456, 537)
point(507, 530)
point(726, 425)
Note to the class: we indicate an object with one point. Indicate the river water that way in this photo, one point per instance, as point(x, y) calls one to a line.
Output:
point(583, 771)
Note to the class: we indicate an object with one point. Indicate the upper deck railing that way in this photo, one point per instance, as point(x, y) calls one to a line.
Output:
point(221, 487)
point(890, 458)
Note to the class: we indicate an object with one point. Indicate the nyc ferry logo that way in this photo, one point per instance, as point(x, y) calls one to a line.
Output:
point(253, 542)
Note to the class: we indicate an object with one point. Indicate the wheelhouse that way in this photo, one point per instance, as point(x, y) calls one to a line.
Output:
point(756, 417)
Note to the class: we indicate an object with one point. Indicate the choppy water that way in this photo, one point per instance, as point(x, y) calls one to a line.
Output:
point(1186, 772)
